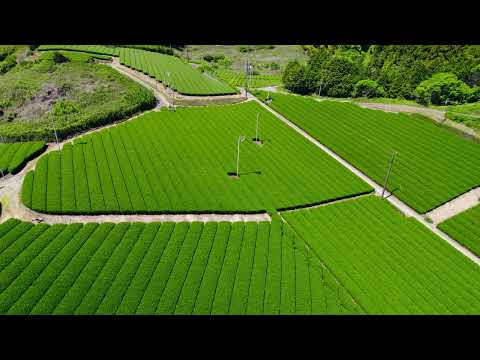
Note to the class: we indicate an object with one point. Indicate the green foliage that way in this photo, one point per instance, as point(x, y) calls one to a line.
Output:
point(236, 78)
point(141, 166)
point(294, 78)
point(8, 63)
point(443, 88)
point(59, 58)
point(433, 164)
point(164, 268)
point(368, 88)
point(13, 156)
point(465, 228)
point(75, 95)
point(183, 78)
point(389, 263)
point(339, 76)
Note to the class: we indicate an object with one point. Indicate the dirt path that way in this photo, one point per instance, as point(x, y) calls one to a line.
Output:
point(456, 206)
point(169, 96)
point(437, 115)
point(400, 205)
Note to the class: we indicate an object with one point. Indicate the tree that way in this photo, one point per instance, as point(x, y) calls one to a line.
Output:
point(368, 88)
point(294, 78)
point(443, 88)
point(339, 76)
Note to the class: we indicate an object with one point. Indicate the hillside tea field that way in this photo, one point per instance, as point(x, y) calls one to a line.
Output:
point(433, 165)
point(173, 72)
point(465, 228)
point(237, 78)
point(93, 49)
point(178, 161)
point(163, 268)
point(390, 264)
point(13, 156)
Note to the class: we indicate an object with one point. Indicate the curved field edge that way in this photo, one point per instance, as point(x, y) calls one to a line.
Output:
point(152, 165)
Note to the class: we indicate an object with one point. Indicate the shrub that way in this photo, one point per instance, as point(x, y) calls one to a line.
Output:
point(443, 88)
point(59, 58)
point(368, 88)
point(294, 78)
point(339, 76)
point(9, 62)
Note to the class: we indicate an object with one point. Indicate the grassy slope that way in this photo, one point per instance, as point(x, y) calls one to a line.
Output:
point(281, 54)
point(86, 95)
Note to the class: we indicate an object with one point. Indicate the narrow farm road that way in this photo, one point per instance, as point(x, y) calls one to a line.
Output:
point(400, 205)
point(143, 80)
point(437, 115)
point(456, 206)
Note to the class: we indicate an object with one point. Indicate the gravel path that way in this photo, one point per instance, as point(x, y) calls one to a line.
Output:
point(456, 206)
point(437, 115)
point(404, 208)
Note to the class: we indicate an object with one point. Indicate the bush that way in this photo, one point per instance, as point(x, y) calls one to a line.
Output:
point(245, 49)
point(294, 78)
point(274, 66)
point(59, 58)
point(368, 88)
point(339, 76)
point(443, 88)
point(9, 62)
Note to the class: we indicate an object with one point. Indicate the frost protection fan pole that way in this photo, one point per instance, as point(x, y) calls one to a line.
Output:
point(256, 131)
point(392, 159)
point(240, 140)
point(55, 132)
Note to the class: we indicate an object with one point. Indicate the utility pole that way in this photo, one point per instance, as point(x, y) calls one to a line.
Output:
point(240, 140)
point(256, 131)
point(55, 131)
point(392, 159)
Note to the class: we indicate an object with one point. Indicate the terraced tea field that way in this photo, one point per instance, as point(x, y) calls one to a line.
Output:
point(433, 165)
point(177, 162)
point(167, 268)
point(465, 228)
point(13, 156)
point(173, 72)
point(236, 78)
point(390, 264)
point(93, 49)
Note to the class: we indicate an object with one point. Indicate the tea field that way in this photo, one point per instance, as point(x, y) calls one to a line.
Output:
point(465, 228)
point(389, 263)
point(174, 73)
point(433, 165)
point(178, 162)
point(236, 78)
point(163, 268)
point(13, 156)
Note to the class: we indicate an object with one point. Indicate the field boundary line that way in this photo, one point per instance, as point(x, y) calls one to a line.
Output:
point(455, 206)
point(322, 263)
point(397, 203)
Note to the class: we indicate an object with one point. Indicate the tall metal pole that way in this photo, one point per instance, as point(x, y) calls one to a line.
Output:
point(240, 140)
point(392, 159)
point(256, 131)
